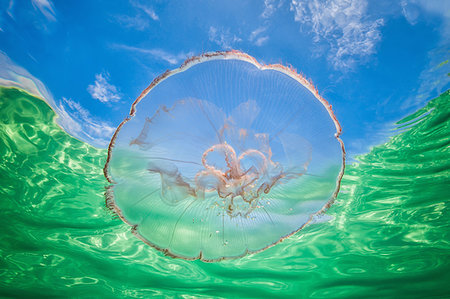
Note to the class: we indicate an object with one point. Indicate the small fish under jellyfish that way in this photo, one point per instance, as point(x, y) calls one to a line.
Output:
point(223, 157)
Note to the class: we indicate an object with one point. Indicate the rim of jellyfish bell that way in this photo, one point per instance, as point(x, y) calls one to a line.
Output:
point(188, 63)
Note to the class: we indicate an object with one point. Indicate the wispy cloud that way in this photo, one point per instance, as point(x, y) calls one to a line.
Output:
point(76, 120)
point(343, 25)
point(12, 75)
point(157, 53)
point(270, 6)
point(256, 37)
point(80, 120)
point(141, 19)
point(434, 80)
point(10, 9)
point(46, 8)
point(223, 37)
point(102, 90)
point(135, 22)
point(413, 8)
point(410, 11)
point(146, 10)
point(256, 32)
point(261, 40)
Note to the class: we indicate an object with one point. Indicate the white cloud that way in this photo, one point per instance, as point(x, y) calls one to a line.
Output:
point(434, 80)
point(90, 126)
point(157, 53)
point(10, 9)
point(170, 58)
point(256, 32)
point(146, 10)
point(141, 19)
point(151, 14)
point(135, 22)
point(343, 25)
point(270, 7)
point(46, 8)
point(78, 122)
point(436, 7)
point(223, 37)
point(102, 90)
point(410, 11)
point(261, 40)
point(256, 38)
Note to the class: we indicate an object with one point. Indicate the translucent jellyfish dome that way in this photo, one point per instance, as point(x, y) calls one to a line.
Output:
point(223, 157)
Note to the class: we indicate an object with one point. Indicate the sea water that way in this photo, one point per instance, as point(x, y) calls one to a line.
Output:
point(387, 235)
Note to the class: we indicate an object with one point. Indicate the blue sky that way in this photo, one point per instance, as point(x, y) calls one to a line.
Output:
point(374, 61)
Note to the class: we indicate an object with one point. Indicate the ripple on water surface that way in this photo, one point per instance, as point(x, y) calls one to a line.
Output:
point(380, 241)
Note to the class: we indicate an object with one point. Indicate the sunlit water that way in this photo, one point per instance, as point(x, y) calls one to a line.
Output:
point(387, 235)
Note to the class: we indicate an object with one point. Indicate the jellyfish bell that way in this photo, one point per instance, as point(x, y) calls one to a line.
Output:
point(223, 157)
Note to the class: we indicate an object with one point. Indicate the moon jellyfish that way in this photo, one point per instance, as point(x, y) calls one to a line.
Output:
point(223, 157)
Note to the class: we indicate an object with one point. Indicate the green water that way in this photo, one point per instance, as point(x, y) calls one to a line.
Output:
point(387, 235)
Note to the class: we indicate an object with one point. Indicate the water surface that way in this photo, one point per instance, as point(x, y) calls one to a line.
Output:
point(387, 235)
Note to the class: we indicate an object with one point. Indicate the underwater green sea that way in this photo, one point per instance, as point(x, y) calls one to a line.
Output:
point(386, 236)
